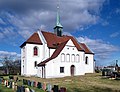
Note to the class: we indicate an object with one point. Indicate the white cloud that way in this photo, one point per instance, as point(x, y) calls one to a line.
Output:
point(116, 34)
point(67, 33)
point(101, 49)
point(105, 23)
point(8, 34)
point(32, 15)
point(6, 53)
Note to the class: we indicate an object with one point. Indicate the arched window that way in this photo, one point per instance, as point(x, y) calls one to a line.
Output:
point(35, 63)
point(68, 57)
point(86, 60)
point(73, 58)
point(62, 57)
point(77, 58)
point(35, 51)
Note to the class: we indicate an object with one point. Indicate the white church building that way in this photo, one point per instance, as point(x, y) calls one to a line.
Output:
point(53, 55)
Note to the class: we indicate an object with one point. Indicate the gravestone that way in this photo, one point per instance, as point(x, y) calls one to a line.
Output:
point(18, 89)
point(44, 86)
point(35, 84)
point(22, 88)
point(27, 90)
point(55, 89)
point(10, 84)
point(5, 83)
point(63, 89)
point(39, 85)
point(0, 80)
point(32, 83)
point(13, 85)
point(48, 87)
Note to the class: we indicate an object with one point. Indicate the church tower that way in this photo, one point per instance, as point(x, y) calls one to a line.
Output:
point(58, 27)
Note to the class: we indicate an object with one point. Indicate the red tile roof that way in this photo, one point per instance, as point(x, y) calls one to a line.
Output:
point(53, 40)
point(55, 54)
point(86, 49)
point(34, 39)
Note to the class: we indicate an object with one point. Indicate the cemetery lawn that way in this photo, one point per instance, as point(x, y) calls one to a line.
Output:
point(85, 83)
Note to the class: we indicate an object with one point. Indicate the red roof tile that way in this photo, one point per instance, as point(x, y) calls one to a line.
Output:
point(86, 49)
point(34, 39)
point(55, 54)
point(53, 40)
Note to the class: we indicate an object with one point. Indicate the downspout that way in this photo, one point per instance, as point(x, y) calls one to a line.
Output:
point(44, 72)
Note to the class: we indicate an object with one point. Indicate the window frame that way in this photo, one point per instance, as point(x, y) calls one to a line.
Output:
point(62, 57)
point(67, 57)
point(73, 58)
point(77, 58)
point(35, 51)
point(62, 69)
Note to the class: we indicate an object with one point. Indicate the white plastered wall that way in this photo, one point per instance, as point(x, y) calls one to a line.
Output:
point(53, 66)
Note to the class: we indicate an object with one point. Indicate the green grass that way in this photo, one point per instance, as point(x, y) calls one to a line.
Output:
point(85, 83)
point(5, 89)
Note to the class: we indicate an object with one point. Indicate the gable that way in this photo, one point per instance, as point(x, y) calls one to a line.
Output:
point(70, 43)
point(33, 39)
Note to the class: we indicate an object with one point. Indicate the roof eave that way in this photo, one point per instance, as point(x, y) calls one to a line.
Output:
point(90, 53)
point(30, 43)
point(41, 65)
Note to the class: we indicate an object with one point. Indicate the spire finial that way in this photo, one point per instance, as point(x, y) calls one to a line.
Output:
point(58, 16)
point(58, 27)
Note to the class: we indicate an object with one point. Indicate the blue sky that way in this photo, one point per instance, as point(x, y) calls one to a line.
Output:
point(94, 22)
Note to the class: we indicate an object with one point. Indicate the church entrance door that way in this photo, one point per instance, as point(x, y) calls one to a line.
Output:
point(72, 70)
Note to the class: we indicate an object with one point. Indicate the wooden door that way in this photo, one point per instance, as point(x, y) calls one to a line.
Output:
point(72, 70)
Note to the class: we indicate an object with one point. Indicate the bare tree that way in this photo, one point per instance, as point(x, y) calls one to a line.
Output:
point(11, 66)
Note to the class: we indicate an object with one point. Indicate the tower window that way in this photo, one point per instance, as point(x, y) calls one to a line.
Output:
point(35, 51)
point(86, 60)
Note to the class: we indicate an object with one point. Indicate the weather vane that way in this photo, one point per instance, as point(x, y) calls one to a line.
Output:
point(58, 3)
